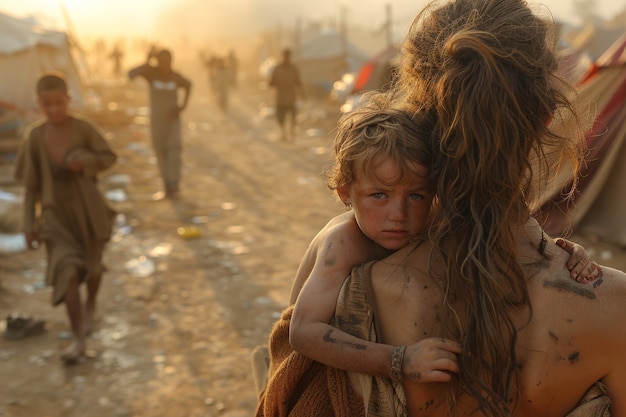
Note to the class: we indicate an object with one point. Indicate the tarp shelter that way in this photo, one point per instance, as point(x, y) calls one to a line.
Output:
point(376, 74)
point(325, 56)
point(599, 206)
point(26, 50)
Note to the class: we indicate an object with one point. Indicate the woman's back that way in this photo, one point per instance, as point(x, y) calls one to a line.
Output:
point(571, 338)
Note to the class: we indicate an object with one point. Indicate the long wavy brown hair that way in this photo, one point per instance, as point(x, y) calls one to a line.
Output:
point(487, 69)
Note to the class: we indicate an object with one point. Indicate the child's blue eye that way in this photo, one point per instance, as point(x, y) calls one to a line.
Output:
point(378, 195)
point(416, 197)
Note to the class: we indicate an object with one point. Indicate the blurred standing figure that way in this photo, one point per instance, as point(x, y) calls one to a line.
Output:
point(209, 61)
point(232, 64)
point(286, 79)
point(117, 55)
point(222, 82)
point(165, 114)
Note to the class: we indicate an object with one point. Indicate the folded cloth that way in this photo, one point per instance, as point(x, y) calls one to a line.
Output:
point(595, 403)
point(299, 386)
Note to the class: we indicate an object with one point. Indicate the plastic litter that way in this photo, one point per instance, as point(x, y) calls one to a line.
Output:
point(189, 232)
point(122, 228)
point(140, 267)
point(12, 243)
point(200, 219)
point(228, 206)
point(117, 195)
point(161, 250)
point(9, 197)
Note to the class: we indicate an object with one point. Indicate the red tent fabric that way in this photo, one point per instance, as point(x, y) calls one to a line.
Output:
point(376, 72)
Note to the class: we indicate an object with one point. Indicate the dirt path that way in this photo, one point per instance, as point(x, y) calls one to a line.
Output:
point(175, 341)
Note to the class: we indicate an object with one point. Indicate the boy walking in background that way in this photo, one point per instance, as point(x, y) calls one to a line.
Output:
point(58, 164)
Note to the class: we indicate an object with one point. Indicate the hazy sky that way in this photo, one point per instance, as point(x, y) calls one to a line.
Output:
point(142, 18)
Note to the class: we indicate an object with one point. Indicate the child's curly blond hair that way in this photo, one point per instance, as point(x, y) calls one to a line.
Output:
point(375, 131)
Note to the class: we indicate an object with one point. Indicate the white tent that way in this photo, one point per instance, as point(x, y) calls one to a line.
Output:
point(26, 50)
point(325, 56)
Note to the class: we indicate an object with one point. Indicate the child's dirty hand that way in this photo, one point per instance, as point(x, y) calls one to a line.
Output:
point(582, 268)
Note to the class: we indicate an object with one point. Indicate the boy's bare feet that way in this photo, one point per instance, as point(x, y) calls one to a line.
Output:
point(74, 353)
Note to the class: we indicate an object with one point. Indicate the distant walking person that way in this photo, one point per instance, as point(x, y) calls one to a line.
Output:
point(58, 164)
point(232, 63)
point(165, 114)
point(222, 83)
point(286, 79)
point(117, 55)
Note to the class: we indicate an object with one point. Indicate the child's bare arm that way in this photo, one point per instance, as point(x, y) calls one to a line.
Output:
point(430, 360)
point(582, 268)
point(338, 252)
point(29, 218)
point(310, 332)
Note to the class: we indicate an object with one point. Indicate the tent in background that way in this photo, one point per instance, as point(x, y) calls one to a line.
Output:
point(325, 56)
point(26, 50)
point(376, 74)
point(599, 206)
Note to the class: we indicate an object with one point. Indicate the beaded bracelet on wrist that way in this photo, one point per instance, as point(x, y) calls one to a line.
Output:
point(397, 358)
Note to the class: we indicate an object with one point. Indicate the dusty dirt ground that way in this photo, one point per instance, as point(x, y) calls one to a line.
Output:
point(178, 317)
point(177, 341)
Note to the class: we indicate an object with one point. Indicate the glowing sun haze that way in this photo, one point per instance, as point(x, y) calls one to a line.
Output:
point(91, 18)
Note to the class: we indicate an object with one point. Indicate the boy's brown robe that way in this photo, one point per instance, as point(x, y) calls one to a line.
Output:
point(74, 222)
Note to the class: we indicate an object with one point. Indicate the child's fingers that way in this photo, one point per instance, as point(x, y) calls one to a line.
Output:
point(429, 377)
point(450, 345)
point(579, 259)
point(590, 271)
point(580, 270)
point(565, 245)
point(595, 274)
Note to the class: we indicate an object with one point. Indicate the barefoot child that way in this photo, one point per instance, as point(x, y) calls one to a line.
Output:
point(63, 208)
point(381, 175)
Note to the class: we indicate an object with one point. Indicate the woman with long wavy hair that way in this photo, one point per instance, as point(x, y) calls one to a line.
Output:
point(533, 340)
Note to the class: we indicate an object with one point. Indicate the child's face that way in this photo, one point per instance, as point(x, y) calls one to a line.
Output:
point(390, 215)
point(53, 104)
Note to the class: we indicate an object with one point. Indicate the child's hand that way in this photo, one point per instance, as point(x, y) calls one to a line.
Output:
point(74, 160)
point(582, 268)
point(32, 240)
point(431, 360)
